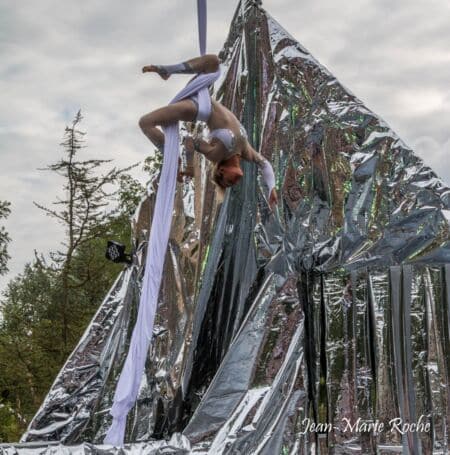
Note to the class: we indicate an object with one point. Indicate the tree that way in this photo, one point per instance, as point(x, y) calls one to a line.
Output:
point(83, 211)
point(9, 423)
point(4, 238)
point(31, 348)
point(28, 344)
point(33, 324)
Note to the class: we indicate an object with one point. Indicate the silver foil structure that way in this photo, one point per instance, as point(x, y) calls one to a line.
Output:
point(332, 312)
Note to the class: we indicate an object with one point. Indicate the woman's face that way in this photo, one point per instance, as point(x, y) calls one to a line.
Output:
point(229, 174)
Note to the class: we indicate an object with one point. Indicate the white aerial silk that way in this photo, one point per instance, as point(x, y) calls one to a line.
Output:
point(130, 378)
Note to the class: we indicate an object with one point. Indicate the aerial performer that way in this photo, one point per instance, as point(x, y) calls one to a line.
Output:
point(228, 142)
point(227, 146)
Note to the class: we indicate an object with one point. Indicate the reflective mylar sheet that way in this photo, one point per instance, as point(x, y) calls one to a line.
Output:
point(333, 310)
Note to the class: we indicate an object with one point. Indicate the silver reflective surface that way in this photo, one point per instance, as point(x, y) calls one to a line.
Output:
point(334, 308)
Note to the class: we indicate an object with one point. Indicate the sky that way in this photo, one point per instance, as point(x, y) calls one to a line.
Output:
point(59, 56)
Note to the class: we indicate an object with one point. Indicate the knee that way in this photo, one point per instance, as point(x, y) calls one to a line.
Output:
point(213, 62)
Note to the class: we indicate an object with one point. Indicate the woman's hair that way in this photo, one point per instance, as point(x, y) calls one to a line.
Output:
point(217, 181)
point(217, 177)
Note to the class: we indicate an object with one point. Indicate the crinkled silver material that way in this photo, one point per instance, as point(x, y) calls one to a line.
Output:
point(336, 307)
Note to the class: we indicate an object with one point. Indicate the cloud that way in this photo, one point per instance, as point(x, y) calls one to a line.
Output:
point(434, 154)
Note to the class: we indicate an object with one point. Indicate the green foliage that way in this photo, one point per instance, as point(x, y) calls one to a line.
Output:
point(8, 423)
point(4, 238)
point(153, 163)
point(30, 351)
point(129, 194)
point(45, 310)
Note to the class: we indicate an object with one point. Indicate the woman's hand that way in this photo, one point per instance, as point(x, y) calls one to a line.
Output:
point(180, 174)
point(189, 144)
point(273, 198)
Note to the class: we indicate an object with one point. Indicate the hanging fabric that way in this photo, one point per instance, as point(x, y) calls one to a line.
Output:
point(130, 378)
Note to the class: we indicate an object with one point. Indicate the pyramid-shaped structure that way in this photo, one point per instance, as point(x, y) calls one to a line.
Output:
point(334, 308)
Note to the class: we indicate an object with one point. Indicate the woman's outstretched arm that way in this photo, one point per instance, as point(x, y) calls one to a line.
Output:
point(208, 63)
point(250, 154)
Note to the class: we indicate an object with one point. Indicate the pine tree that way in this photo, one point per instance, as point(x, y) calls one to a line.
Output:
point(4, 238)
point(83, 211)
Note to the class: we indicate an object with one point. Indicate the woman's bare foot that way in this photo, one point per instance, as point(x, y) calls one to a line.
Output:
point(156, 69)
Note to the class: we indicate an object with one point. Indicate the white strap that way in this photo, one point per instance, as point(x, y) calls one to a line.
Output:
point(268, 175)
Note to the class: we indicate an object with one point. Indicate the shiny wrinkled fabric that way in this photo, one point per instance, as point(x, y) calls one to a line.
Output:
point(335, 307)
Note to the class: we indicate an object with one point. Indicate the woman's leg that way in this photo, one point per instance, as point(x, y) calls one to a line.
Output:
point(208, 63)
point(184, 110)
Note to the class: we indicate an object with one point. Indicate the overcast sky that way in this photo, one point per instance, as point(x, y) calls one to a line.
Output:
point(57, 56)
